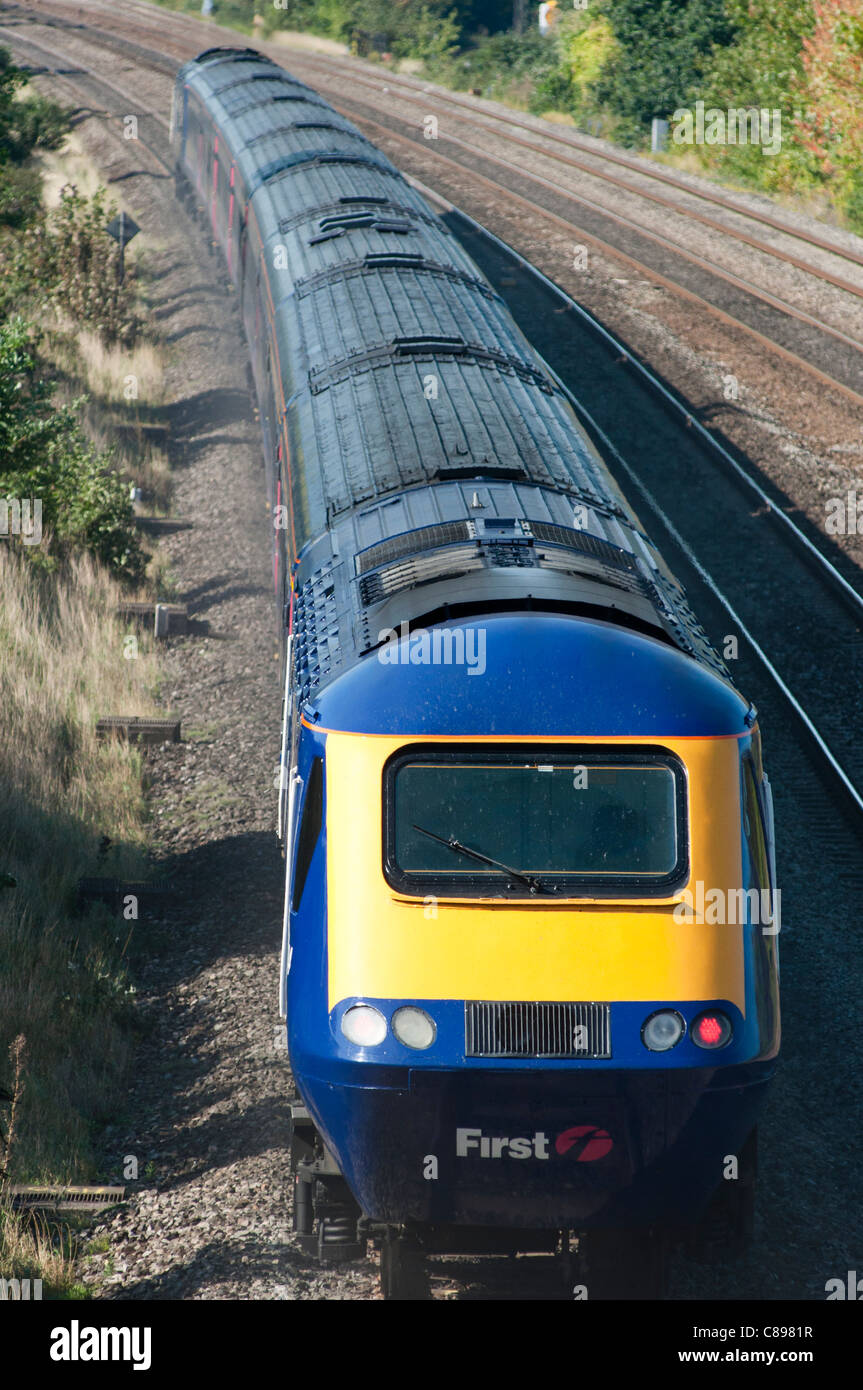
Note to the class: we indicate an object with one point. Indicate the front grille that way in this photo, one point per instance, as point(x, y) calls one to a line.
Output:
point(537, 1030)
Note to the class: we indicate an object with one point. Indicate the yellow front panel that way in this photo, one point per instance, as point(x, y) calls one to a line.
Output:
point(386, 946)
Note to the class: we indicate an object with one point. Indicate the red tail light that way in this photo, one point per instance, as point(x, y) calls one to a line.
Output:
point(711, 1030)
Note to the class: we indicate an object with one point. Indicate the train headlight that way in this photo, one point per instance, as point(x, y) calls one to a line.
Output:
point(711, 1030)
point(364, 1026)
point(662, 1030)
point(413, 1027)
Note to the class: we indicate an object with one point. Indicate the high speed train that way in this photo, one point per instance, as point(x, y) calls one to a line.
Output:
point(529, 966)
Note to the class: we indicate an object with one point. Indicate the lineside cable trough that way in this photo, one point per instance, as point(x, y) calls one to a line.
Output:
point(168, 619)
point(135, 730)
point(36, 1198)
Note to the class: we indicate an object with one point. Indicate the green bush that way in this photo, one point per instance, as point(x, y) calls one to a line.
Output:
point(661, 50)
point(498, 63)
point(852, 201)
point(68, 260)
point(582, 44)
point(762, 66)
point(44, 455)
point(25, 125)
point(20, 196)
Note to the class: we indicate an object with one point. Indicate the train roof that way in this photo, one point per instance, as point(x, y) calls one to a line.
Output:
point(436, 467)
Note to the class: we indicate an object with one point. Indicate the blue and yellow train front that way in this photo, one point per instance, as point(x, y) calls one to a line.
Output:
point(532, 967)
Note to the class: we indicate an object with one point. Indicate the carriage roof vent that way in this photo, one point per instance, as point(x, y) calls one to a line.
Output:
point(337, 226)
point(305, 157)
point(409, 260)
point(235, 55)
point(428, 342)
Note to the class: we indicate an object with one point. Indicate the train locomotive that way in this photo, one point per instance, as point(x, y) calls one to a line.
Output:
point(529, 963)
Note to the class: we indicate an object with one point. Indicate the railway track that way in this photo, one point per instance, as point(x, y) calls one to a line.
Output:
point(846, 769)
point(751, 572)
point(493, 115)
point(405, 89)
point(830, 355)
point(842, 592)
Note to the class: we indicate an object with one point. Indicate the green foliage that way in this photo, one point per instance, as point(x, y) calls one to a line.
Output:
point(662, 47)
point(424, 29)
point(852, 200)
point(406, 28)
point(762, 66)
point(25, 126)
point(235, 14)
point(431, 36)
point(44, 455)
point(34, 124)
point(500, 65)
point(583, 44)
point(831, 128)
point(66, 259)
point(20, 196)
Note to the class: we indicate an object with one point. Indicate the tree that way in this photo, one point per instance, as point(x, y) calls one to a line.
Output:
point(67, 259)
point(831, 128)
point(662, 47)
point(763, 67)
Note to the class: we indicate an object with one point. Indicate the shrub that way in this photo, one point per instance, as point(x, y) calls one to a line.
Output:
point(25, 126)
point(661, 50)
point(67, 259)
point(44, 455)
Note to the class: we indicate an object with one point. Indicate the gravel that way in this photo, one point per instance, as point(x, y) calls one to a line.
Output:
point(208, 1215)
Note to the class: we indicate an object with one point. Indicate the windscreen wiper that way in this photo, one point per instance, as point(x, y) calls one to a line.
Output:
point(458, 848)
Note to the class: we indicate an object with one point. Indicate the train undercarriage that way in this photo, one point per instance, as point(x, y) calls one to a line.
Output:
point(602, 1264)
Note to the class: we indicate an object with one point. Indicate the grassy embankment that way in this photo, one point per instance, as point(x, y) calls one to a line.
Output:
point(71, 806)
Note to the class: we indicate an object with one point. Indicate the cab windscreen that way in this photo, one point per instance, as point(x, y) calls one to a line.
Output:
point(525, 822)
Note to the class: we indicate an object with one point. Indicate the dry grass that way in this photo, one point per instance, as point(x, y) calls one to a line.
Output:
point(31, 1248)
point(558, 117)
point(127, 429)
point(69, 164)
point(295, 38)
point(70, 806)
point(109, 371)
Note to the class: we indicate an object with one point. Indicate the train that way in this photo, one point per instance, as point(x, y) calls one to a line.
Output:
point(529, 964)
